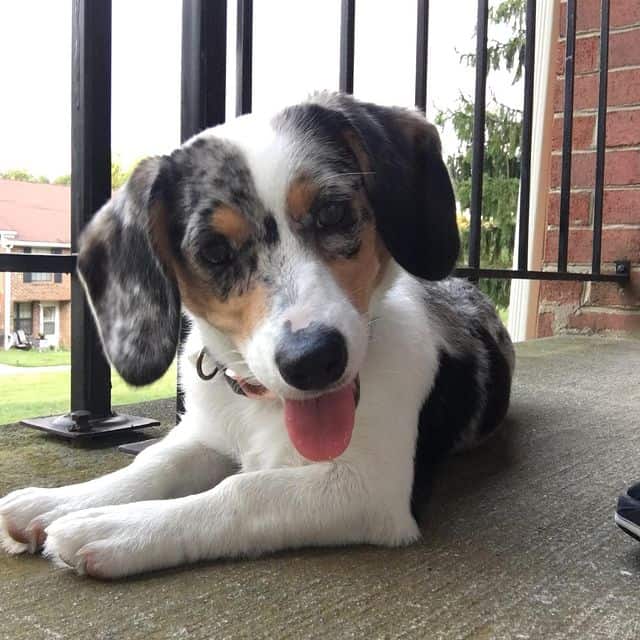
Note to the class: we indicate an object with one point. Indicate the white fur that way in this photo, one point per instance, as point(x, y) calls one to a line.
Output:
point(183, 499)
point(279, 500)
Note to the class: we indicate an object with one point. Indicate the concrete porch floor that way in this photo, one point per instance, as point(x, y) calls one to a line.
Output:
point(519, 540)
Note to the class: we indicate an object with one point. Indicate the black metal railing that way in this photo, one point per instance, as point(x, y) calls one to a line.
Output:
point(203, 89)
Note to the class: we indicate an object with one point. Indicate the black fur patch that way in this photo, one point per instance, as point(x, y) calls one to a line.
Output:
point(271, 235)
point(453, 401)
point(499, 387)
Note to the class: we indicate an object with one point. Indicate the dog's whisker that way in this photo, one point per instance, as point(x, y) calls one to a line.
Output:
point(349, 174)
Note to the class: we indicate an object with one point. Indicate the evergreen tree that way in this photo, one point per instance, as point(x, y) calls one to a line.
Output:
point(503, 131)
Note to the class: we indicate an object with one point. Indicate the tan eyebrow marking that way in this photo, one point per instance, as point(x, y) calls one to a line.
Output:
point(359, 276)
point(300, 197)
point(237, 316)
point(240, 313)
point(230, 223)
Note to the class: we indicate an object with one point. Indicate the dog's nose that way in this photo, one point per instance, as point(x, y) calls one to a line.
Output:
point(311, 358)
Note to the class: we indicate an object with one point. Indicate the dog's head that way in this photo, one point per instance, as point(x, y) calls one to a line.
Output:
point(274, 233)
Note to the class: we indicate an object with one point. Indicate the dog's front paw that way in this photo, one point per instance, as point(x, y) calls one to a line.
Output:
point(25, 514)
point(112, 542)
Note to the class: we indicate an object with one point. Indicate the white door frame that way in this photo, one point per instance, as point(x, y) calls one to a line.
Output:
point(54, 338)
point(523, 301)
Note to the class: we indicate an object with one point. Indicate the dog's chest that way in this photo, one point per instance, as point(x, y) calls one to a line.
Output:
point(261, 440)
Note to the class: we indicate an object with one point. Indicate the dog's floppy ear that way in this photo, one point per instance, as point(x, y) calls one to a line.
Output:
point(124, 266)
point(409, 185)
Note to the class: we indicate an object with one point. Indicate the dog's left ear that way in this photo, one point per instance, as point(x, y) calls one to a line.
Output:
point(409, 185)
point(125, 267)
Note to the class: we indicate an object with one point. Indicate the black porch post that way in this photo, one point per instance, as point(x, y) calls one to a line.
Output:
point(90, 188)
point(91, 413)
point(203, 85)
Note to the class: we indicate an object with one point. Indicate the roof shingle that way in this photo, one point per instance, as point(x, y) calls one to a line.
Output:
point(36, 212)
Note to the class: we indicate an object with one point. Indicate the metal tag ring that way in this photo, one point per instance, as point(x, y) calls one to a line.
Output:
point(201, 373)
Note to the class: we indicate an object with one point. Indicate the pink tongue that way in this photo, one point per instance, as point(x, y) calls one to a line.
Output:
point(320, 429)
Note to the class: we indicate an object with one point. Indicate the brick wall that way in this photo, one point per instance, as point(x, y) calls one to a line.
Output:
point(65, 325)
point(36, 292)
point(46, 291)
point(597, 307)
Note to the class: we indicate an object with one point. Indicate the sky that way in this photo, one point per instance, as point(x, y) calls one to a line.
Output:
point(296, 47)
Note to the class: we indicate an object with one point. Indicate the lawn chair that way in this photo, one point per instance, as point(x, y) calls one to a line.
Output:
point(20, 340)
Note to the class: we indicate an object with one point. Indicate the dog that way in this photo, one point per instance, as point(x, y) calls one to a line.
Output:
point(331, 362)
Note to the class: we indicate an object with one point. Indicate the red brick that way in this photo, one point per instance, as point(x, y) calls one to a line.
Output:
point(624, 48)
point(35, 319)
point(561, 292)
point(45, 291)
point(621, 206)
point(603, 321)
point(579, 208)
point(545, 325)
point(612, 295)
point(65, 325)
point(623, 90)
point(583, 135)
point(621, 168)
point(623, 128)
point(585, 93)
point(587, 17)
point(624, 87)
point(617, 244)
point(587, 56)
point(583, 170)
point(624, 51)
point(622, 13)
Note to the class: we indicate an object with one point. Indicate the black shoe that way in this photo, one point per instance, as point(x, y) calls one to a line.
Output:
point(634, 491)
point(628, 512)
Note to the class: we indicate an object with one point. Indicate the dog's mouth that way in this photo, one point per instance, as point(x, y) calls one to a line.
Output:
point(251, 389)
point(320, 428)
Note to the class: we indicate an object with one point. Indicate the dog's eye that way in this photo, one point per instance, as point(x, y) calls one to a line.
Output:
point(332, 215)
point(217, 251)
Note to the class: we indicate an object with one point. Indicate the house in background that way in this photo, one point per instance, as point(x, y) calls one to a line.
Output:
point(35, 218)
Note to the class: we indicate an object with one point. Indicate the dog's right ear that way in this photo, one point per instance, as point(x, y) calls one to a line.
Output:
point(125, 267)
point(407, 181)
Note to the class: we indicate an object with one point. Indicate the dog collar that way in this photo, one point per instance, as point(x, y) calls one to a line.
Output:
point(238, 384)
point(231, 380)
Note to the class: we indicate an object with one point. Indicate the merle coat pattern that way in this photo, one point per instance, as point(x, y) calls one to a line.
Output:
point(310, 251)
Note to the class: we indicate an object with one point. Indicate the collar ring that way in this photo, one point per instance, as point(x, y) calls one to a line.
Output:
point(202, 375)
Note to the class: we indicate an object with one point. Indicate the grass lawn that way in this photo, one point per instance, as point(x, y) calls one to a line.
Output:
point(29, 395)
point(18, 358)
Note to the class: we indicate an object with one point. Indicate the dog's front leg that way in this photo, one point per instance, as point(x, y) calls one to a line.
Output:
point(246, 514)
point(176, 466)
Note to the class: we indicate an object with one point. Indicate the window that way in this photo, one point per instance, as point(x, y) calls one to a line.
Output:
point(57, 277)
point(49, 320)
point(42, 277)
point(22, 317)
